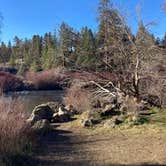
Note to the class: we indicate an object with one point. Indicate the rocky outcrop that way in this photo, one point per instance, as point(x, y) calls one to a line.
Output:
point(63, 115)
point(52, 112)
point(43, 115)
point(43, 111)
point(42, 127)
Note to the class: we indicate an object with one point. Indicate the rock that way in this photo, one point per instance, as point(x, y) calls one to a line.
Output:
point(33, 119)
point(111, 123)
point(42, 111)
point(42, 127)
point(71, 110)
point(87, 123)
point(109, 110)
point(152, 100)
point(54, 106)
point(90, 118)
point(61, 116)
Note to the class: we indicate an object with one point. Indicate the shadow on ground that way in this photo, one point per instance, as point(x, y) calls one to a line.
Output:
point(65, 148)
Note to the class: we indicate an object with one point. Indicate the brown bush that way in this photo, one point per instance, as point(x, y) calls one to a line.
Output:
point(46, 80)
point(14, 133)
point(10, 82)
point(79, 98)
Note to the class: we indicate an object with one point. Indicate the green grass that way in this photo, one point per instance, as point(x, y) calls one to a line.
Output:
point(159, 118)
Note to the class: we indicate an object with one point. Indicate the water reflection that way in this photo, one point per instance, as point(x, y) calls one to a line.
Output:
point(32, 98)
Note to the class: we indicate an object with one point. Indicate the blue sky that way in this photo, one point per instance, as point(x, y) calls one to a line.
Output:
point(27, 17)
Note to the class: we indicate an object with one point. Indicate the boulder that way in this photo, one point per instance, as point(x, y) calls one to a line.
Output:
point(33, 119)
point(90, 118)
point(111, 123)
point(71, 110)
point(42, 111)
point(87, 123)
point(152, 100)
point(61, 116)
point(54, 106)
point(42, 127)
point(109, 110)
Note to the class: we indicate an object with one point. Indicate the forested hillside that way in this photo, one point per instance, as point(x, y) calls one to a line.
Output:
point(113, 47)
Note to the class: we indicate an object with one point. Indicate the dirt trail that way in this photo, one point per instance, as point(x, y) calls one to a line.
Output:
point(63, 147)
point(69, 147)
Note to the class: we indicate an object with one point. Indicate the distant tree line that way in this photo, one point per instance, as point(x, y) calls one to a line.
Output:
point(112, 47)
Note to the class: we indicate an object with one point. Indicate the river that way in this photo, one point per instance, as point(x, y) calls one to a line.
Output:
point(32, 98)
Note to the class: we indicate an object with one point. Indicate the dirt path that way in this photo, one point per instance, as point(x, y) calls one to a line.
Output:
point(67, 147)
point(63, 147)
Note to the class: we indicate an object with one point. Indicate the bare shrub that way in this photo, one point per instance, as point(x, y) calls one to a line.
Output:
point(48, 79)
point(131, 105)
point(10, 82)
point(158, 88)
point(79, 98)
point(14, 133)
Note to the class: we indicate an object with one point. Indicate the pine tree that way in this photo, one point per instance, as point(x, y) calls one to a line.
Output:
point(36, 48)
point(3, 53)
point(66, 42)
point(113, 37)
point(164, 40)
point(86, 51)
point(49, 51)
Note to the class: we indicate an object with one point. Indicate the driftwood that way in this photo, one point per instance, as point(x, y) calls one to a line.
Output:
point(103, 91)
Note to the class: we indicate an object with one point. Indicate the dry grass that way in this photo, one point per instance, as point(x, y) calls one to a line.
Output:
point(14, 133)
point(79, 98)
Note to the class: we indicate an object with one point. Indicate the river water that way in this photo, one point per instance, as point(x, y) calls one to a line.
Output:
point(32, 98)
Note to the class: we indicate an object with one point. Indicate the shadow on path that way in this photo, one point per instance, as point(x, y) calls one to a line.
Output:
point(68, 148)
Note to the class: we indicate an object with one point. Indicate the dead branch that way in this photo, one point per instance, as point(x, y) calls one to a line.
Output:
point(103, 90)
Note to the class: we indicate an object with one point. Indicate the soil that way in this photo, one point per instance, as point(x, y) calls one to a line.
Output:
point(74, 146)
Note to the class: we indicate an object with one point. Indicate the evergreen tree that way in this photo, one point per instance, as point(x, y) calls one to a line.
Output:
point(49, 51)
point(114, 36)
point(86, 52)
point(36, 52)
point(3, 53)
point(157, 42)
point(66, 42)
point(164, 40)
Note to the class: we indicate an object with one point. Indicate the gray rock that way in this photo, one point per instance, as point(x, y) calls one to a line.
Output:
point(111, 123)
point(61, 116)
point(42, 127)
point(43, 111)
point(71, 110)
point(87, 123)
point(109, 110)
